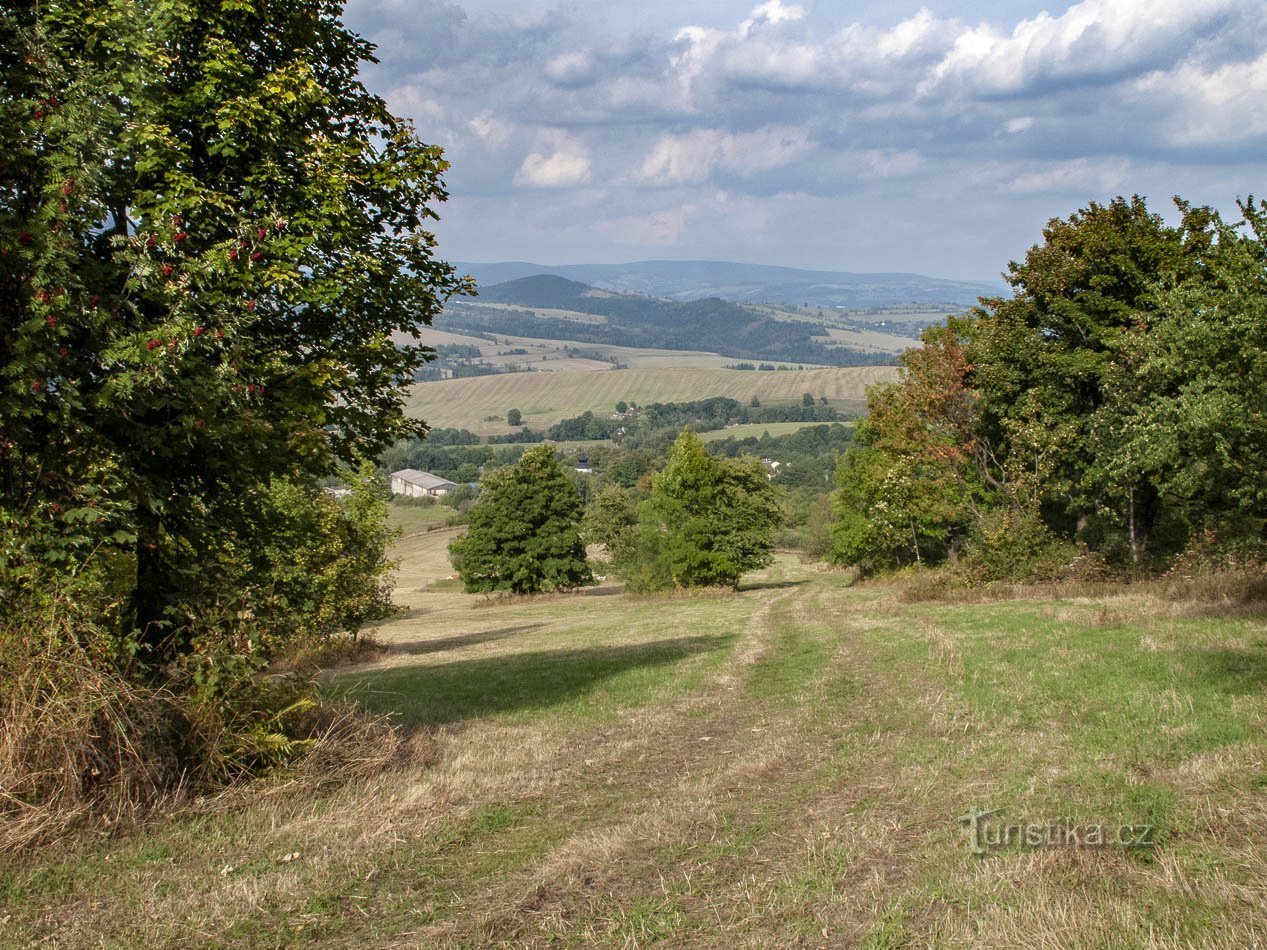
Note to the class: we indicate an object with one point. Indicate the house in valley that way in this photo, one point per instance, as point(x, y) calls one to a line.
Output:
point(415, 484)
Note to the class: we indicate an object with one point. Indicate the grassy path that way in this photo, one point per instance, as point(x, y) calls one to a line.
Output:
point(785, 766)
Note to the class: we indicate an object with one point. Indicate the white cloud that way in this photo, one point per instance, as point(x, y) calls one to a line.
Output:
point(575, 68)
point(1210, 108)
point(656, 229)
point(566, 166)
point(1095, 39)
point(1079, 176)
point(922, 123)
point(679, 159)
point(772, 12)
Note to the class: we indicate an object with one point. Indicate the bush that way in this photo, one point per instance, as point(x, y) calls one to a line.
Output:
point(1014, 544)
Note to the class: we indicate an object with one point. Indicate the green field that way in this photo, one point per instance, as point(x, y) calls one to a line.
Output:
point(412, 518)
point(546, 398)
point(785, 766)
point(755, 430)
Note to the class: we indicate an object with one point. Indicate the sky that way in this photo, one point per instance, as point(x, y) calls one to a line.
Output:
point(856, 136)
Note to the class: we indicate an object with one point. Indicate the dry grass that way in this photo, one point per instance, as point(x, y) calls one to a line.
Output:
point(79, 741)
point(798, 786)
point(546, 398)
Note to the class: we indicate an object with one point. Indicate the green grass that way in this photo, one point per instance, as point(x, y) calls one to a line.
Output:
point(755, 430)
point(412, 519)
point(786, 764)
point(523, 685)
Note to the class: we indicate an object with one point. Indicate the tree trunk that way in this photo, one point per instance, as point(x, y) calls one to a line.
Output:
point(147, 594)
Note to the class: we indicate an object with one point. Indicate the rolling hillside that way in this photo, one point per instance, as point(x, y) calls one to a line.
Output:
point(555, 308)
point(745, 283)
point(547, 398)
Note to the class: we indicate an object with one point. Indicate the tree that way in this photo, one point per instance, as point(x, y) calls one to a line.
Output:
point(622, 407)
point(754, 402)
point(524, 531)
point(807, 399)
point(907, 487)
point(609, 519)
point(1184, 409)
point(707, 522)
point(211, 239)
point(1042, 358)
point(514, 418)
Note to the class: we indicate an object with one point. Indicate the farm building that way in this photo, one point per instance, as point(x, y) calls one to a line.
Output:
point(416, 484)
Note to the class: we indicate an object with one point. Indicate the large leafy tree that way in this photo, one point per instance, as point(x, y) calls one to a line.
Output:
point(524, 531)
point(212, 241)
point(1042, 358)
point(908, 486)
point(706, 523)
point(1187, 408)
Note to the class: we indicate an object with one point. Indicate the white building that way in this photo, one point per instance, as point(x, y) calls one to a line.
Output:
point(415, 484)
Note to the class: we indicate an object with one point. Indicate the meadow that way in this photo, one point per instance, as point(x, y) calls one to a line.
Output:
point(545, 398)
point(788, 765)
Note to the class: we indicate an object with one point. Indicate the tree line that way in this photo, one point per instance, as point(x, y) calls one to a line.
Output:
point(1111, 409)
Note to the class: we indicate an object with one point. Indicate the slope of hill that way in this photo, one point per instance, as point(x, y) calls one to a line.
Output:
point(480, 404)
point(744, 283)
point(709, 325)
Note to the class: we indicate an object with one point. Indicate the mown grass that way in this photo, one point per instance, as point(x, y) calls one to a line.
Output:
point(786, 765)
point(546, 398)
point(414, 518)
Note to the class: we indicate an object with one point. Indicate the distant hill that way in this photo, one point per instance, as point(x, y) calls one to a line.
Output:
point(752, 283)
point(709, 325)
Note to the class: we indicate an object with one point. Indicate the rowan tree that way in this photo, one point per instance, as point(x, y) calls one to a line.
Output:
point(212, 239)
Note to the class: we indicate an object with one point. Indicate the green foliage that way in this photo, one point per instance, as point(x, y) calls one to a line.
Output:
point(1187, 414)
point(1009, 543)
point(1113, 403)
point(211, 236)
point(1043, 359)
point(514, 418)
point(326, 559)
point(707, 522)
point(523, 533)
point(905, 489)
point(609, 519)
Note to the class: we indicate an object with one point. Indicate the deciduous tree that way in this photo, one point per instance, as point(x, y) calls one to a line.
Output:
point(707, 522)
point(524, 531)
point(212, 238)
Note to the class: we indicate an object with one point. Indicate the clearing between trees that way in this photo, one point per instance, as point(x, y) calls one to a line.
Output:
point(784, 765)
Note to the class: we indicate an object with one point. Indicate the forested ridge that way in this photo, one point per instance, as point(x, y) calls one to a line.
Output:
point(710, 325)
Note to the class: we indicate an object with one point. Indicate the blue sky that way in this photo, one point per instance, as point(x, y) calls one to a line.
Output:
point(860, 136)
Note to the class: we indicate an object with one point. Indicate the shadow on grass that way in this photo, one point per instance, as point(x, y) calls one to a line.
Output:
point(1232, 671)
point(423, 647)
point(450, 692)
point(769, 585)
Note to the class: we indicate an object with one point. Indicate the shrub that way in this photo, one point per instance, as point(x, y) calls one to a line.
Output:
point(1013, 543)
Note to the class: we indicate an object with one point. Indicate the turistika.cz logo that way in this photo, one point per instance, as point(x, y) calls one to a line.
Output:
point(986, 833)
